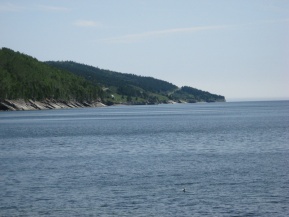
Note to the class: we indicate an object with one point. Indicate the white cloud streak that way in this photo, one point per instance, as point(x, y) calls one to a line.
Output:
point(152, 34)
point(130, 38)
point(54, 8)
point(87, 23)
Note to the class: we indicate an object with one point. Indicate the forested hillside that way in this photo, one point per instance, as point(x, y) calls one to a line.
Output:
point(109, 78)
point(24, 77)
point(192, 95)
point(125, 88)
point(136, 89)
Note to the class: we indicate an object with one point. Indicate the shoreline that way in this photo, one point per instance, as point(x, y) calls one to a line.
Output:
point(28, 105)
point(47, 104)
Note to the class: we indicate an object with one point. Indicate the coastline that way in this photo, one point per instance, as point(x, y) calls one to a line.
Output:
point(26, 105)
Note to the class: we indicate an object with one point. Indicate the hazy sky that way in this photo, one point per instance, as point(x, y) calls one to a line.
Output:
point(236, 48)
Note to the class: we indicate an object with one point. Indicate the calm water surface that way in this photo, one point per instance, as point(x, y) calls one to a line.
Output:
point(232, 159)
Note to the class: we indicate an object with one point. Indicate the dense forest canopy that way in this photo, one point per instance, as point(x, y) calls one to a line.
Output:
point(129, 85)
point(25, 77)
point(194, 95)
point(109, 78)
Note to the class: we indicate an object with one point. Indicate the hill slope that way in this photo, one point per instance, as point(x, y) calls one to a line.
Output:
point(110, 78)
point(136, 89)
point(24, 77)
point(27, 83)
point(193, 95)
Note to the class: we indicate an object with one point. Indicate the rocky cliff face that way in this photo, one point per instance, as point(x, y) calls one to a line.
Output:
point(20, 104)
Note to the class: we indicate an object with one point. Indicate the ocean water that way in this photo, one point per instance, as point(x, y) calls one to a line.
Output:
point(232, 159)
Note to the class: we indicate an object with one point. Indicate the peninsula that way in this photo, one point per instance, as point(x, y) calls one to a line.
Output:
point(29, 84)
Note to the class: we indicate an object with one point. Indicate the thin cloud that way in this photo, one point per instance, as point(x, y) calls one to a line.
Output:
point(130, 38)
point(54, 8)
point(152, 34)
point(87, 23)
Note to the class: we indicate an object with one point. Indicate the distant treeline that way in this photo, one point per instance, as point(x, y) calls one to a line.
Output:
point(190, 94)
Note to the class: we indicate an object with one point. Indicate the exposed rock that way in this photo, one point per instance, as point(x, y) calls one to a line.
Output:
point(20, 104)
point(171, 102)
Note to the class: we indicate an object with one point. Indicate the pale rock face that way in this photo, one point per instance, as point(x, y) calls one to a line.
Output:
point(20, 104)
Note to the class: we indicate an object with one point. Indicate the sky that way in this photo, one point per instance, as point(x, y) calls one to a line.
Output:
point(235, 48)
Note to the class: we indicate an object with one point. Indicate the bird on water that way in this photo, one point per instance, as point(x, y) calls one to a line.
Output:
point(184, 190)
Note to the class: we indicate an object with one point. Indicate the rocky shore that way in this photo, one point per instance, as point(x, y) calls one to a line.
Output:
point(22, 105)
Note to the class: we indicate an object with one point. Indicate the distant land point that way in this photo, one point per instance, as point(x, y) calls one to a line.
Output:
point(29, 84)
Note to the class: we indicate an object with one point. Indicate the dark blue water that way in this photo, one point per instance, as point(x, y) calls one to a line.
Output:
point(232, 159)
